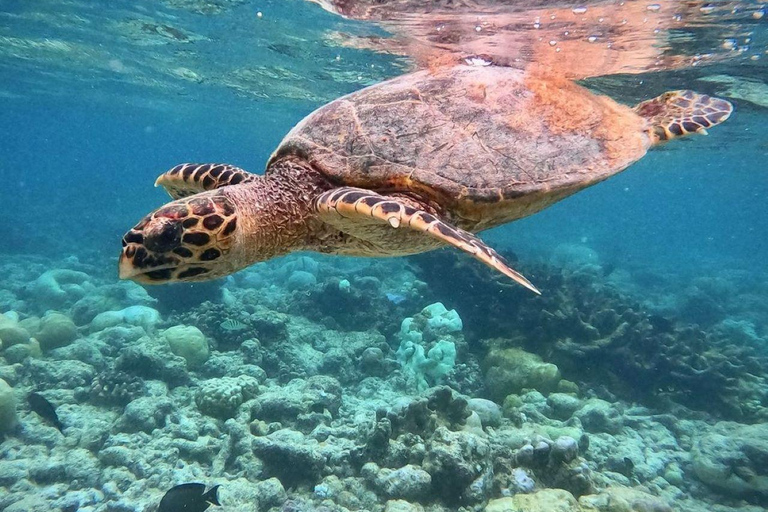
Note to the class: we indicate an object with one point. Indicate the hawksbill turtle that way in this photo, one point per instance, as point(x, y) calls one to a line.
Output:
point(412, 164)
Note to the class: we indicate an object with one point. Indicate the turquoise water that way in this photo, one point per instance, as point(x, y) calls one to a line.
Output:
point(313, 382)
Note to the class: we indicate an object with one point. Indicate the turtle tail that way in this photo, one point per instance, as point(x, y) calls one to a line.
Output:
point(679, 113)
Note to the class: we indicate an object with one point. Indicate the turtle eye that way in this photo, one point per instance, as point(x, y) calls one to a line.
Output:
point(163, 235)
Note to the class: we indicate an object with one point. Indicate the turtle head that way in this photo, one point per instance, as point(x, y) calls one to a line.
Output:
point(679, 113)
point(190, 239)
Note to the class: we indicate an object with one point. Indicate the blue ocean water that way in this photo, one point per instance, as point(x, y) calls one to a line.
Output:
point(638, 377)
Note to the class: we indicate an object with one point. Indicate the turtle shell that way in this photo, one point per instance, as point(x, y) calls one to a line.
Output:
point(488, 144)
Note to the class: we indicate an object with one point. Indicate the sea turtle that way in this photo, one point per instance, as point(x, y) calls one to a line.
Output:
point(405, 166)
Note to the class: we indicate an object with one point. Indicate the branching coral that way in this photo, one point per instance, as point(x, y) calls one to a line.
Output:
point(581, 322)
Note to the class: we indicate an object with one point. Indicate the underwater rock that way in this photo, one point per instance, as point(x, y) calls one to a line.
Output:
point(563, 405)
point(120, 337)
point(521, 481)
point(473, 424)
point(575, 257)
point(222, 397)
point(55, 287)
point(455, 460)
point(298, 264)
point(623, 499)
point(600, 416)
point(401, 433)
point(18, 353)
point(145, 414)
point(733, 459)
point(12, 471)
point(348, 493)
point(674, 475)
point(510, 370)
point(541, 462)
point(289, 458)
point(343, 307)
point(142, 316)
point(8, 419)
point(252, 351)
point(301, 280)
point(270, 493)
point(408, 482)
point(56, 330)
point(421, 415)
point(565, 449)
point(11, 333)
point(108, 298)
point(545, 500)
point(77, 465)
point(372, 362)
point(29, 503)
point(86, 309)
point(188, 342)
point(488, 411)
point(65, 374)
point(147, 360)
point(402, 506)
point(302, 403)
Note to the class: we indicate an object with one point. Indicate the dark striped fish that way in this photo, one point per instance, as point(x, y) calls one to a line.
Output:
point(45, 409)
point(189, 498)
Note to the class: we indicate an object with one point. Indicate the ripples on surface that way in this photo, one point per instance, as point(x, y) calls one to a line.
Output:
point(276, 55)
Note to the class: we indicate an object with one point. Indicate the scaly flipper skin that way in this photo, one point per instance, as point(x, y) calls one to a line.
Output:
point(188, 179)
point(679, 113)
point(341, 206)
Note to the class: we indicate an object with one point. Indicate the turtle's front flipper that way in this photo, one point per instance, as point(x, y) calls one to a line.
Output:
point(188, 179)
point(352, 210)
point(678, 113)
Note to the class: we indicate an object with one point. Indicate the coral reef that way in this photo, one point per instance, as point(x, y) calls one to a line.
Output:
point(732, 458)
point(7, 407)
point(188, 342)
point(222, 397)
point(307, 408)
point(427, 351)
point(114, 387)
point(55, 330)
point(583, 321)
point(511, 370)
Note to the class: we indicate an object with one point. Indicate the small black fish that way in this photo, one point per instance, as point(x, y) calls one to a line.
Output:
point(189, 498)
point(629, 466)
point(39, 404)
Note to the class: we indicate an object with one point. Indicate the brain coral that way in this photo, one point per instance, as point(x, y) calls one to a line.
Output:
point(221, 397)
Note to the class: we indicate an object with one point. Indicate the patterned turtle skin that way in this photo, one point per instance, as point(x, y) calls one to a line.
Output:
point(409, 165)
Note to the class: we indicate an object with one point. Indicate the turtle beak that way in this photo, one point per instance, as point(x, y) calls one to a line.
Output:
point(125, 268)
point(142, 268)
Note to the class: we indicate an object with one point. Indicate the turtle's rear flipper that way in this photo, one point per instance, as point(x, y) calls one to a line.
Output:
point(188, 179)
point(678, 113)
point(353, 210)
